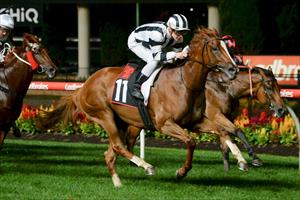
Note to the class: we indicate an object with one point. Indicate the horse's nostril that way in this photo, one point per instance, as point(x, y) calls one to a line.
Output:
point(39, 69)
point(233, 70)
point(281, 112)
point(52, 70)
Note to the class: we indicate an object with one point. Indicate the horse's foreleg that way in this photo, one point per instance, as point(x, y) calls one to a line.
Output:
point(2, 137)
point(242, 164)
point(225, 151)
point(131, 136)
point(256, 161)
point(172, 129)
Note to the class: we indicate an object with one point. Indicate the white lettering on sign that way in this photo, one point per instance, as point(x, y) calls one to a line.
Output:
point(23, 14)
point(286, 93)
point(72, 86)
point(38, 86)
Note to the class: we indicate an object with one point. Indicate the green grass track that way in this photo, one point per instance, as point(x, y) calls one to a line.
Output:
point(62, 170)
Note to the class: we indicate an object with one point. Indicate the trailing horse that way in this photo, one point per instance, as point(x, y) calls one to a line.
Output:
point(170, 103)
point(222, 99)
point(15, 76)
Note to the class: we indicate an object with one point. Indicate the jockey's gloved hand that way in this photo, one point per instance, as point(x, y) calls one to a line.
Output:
point(186, 49)
point(181, 55)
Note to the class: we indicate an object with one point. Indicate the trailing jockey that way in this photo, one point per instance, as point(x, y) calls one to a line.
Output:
point(6, 27)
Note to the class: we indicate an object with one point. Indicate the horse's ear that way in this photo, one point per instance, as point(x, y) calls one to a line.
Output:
point(25, 39)
point(270, 67)
point(38, 39)
point(215, 31)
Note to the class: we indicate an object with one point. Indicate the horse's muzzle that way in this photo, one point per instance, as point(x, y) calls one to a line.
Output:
point(279, 111)
point(49, 71)
point(229, 69)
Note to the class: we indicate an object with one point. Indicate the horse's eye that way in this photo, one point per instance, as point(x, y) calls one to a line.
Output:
point(269, 84)
point(215, 49)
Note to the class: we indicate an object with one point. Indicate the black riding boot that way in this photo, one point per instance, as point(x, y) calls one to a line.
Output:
point(136, 91)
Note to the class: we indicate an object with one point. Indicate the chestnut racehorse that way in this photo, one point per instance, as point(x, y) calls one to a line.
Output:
point(222, 99)
point(15, 76)
point(170, 102)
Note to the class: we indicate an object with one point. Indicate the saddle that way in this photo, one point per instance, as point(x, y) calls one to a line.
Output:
point(124, 85)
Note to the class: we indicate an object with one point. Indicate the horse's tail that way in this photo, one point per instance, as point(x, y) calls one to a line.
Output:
point(64, 111)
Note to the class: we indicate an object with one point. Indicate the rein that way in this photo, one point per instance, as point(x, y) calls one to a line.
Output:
point(196, 61)
point(250, 77)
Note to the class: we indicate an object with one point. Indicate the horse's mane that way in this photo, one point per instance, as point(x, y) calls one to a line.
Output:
point(202, 33)
point(30, 38)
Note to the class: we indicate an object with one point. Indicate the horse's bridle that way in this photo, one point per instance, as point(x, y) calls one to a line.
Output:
point(32, 47)
point(205, 47)
point(267, 90)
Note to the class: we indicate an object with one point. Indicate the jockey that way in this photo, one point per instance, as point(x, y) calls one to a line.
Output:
point(6, 26)
point(157, 43)
point(231, 46)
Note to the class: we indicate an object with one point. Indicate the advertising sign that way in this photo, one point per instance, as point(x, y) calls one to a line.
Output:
point(24, 14)
point(285, 68)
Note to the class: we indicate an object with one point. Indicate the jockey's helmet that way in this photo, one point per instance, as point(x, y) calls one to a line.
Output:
point(178, 22)
point(229, 41)
point(6, 21)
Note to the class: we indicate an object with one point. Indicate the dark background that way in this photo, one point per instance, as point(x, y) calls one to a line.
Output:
point(261, 27)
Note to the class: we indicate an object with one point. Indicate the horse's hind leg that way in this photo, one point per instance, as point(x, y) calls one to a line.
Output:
point(107, 122)
point(110, 159)
point(256, 161)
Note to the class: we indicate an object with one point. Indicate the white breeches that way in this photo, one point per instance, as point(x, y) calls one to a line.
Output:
point(143, 53)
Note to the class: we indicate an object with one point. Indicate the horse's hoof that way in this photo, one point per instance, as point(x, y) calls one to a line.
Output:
point(243, 166)
point(150, 171)
point(226, 166)
point(179, 176)
point(257, 162)
point(116, 181)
